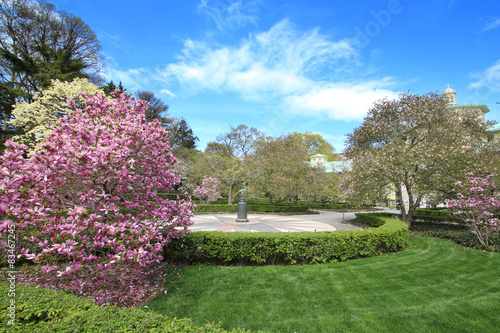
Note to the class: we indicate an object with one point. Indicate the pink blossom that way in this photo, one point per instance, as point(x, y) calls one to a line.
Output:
point(66, 200)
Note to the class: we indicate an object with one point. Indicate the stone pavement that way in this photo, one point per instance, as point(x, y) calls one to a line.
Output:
point(324, 221)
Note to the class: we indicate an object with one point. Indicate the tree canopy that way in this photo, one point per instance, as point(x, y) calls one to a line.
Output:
point(38, 44)
point(280, 169)
point(315, 144)
point(156, 108)
point(36, 119)
point(240, 141)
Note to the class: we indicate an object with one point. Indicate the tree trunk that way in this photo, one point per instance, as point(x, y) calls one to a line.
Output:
point(270, 199)
point(407, 215)
point(230, 195)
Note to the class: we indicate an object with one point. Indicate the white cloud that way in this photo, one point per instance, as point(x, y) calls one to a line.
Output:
point(340, 101)
point(492, 23)
point(231, 14)
point(132, 79)
point(272, 63)
point(168, 93)
point(282, 67)
point(489, 78)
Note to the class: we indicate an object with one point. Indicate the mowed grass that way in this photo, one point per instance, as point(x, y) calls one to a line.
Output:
point(433, 286)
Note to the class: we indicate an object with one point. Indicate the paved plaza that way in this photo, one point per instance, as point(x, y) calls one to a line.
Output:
point(324, 221)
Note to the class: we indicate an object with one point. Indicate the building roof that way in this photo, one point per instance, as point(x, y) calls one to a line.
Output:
point(335, 166)
point(449, 90)
point(483, 107)
point(494, 128)
point(318, 155)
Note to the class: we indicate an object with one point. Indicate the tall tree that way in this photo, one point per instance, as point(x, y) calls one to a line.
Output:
point(110, 87)
point(181, 135)
point(315, 144)
point(241, 141)
point(227, 154)
point(231, 171)
point(279, 167)
point(39, 43)
point(156, 108)
point(219, 149)
point(416, 146)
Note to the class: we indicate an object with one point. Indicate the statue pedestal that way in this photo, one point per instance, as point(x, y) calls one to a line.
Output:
point(242, 212)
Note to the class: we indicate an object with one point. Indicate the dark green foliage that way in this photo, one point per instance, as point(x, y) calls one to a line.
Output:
point(288, 248)
point(46, 310)
point(35, 305)
point(111, 87)
point(181, 135)
point(220, 201)
point(435, 214)
point(276, 209)
point(458, 233)
point(373, 219)
point(172, 196)
point(263, 206)
point(437, 219)
point(439, 222)
point(221, 208)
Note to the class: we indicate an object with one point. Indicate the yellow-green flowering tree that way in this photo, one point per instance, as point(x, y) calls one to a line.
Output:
point(38, 118)
point(279, 169)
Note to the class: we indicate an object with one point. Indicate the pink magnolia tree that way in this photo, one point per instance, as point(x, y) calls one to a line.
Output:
point(209, 189)
point(86, 204)
point(477, 202)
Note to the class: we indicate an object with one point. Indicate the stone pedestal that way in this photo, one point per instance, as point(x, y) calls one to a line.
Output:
point(242, 212)
point(242, 206)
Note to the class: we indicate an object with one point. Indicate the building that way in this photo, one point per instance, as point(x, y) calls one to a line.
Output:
point(335, 166)
point(481, 110)
point(451, 96)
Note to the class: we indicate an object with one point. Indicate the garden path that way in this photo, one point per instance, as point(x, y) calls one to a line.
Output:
point(324, 221)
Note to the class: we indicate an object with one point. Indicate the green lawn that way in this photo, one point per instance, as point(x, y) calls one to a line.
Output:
point(433, 286)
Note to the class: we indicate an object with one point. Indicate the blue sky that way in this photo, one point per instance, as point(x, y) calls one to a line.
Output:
point(295, 66)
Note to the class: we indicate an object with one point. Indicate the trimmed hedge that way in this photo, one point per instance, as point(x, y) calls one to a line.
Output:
point(435, 215)
point(45, 310)
point(172, 196)
point(374, 219)
point(210, 208)
point(266, 248)
point(257, 206)
point(433, 211)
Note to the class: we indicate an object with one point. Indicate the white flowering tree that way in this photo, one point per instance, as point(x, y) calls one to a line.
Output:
point(38, 118)
point(416, 146)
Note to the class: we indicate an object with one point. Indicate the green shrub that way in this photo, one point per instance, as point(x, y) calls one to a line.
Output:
point(274, 209)
point(220, 201)
point(262, 205)
point(432, 211)
point(218, 208)
point(288, 248)
point(374, 219)
point(322, 205)
point(172, 196)
point(209, 208)
point(437, 219)
point(45, 310)
point(458, 233)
